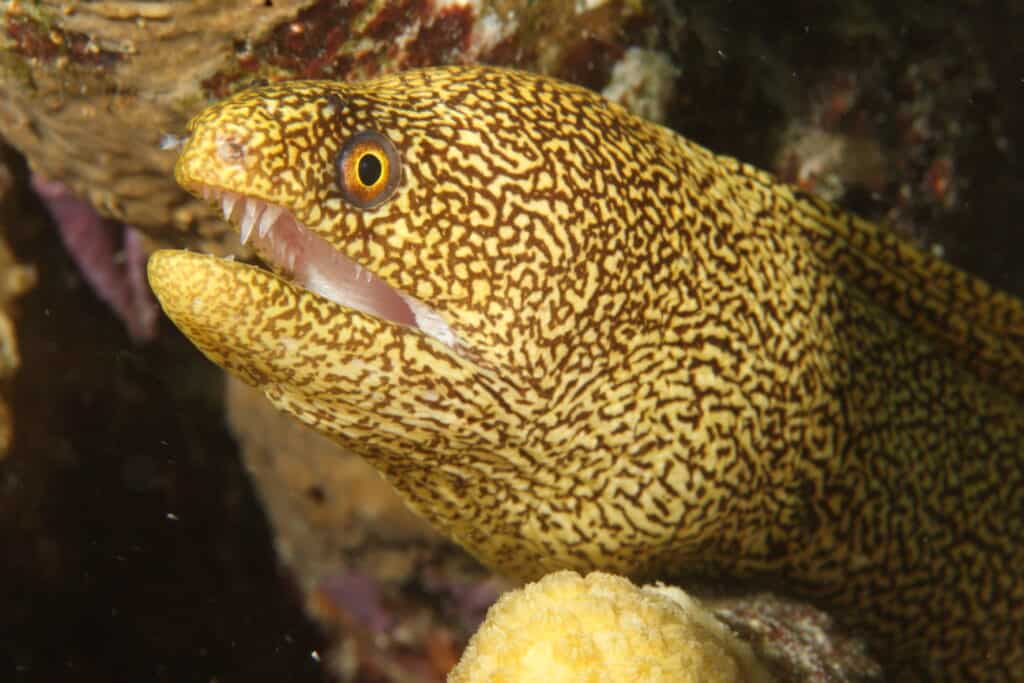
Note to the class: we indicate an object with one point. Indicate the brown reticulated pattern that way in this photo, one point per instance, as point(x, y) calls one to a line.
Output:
point(668, 363)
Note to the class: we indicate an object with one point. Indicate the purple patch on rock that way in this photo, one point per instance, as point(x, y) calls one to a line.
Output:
point(357, 595)
point(469, 598)
point(109, 254)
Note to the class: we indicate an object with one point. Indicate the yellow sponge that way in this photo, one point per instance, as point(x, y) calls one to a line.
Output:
point(569, 629)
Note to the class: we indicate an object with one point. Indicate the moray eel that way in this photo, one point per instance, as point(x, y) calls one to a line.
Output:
point(573, 339)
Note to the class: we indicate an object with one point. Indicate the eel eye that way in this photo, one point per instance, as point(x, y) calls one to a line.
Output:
point(368, 169)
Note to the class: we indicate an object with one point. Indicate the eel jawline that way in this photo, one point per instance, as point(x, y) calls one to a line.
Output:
point(314, 264)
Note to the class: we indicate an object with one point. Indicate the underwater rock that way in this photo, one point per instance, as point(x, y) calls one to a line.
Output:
point(643, 81)
point(110, 255)
point(798, 641)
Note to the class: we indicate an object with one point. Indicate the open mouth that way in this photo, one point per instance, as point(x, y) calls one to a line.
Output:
point(312, 263)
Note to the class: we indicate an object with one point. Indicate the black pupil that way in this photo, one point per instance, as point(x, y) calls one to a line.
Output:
point(369, 169)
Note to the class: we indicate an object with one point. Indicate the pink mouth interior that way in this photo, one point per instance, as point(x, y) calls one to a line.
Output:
point(315, 265)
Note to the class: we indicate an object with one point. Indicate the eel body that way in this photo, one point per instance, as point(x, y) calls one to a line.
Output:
point(573, 339)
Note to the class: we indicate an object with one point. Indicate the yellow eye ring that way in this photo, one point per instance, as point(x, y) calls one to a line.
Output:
point(368, 169)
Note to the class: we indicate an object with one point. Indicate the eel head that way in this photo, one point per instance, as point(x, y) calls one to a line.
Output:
point(456, 296)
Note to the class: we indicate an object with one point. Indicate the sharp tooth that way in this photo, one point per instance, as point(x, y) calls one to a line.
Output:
point(227, 205)
point(250, 212)
point(270, 216)
point(428, 320)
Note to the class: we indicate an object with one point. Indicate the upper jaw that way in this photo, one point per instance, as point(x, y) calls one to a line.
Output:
point(306, 258)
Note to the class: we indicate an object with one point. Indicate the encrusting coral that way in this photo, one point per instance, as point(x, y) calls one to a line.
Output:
point(573, 629)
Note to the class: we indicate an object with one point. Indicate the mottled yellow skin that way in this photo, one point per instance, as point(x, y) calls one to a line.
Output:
point(671, 365)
